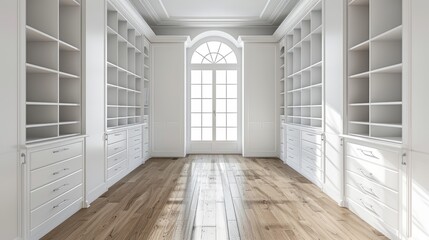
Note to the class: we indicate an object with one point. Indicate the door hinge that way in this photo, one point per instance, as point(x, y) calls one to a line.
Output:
point(404, 161)
point(23, 158)
point(106, 137)
point(341, 141)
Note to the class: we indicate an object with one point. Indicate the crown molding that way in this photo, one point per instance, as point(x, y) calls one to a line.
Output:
point(134, 17)
point(302, 8)
point(257, 39)
point(171, 39)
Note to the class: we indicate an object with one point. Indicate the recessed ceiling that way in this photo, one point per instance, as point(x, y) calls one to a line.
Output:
point(214, 13)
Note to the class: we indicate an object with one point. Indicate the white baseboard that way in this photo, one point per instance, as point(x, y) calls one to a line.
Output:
point(167, 154)
point(96, 193)
point(261, 154)
point(334, 195)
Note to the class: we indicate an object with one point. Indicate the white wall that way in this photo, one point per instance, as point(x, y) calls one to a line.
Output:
point(9, 119)
point(334, 75)
point(94, 114)
point(168, 100)
point(419, 119)
point(259, 99)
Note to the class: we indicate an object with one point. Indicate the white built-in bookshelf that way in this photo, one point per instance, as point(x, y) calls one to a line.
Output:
point(282, 89)
point(53, 70)
point(124, 82)
point(304, 79)
point(375, 69)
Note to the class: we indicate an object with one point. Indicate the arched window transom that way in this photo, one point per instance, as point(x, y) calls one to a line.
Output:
point(214, 52)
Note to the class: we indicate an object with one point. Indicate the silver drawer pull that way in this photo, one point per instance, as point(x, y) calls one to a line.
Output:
point(59, 204)
point(116, 169)
point(368, 153)
point(290, 149)
point(118, 134)
point(136, 148)
point(368, 191)
point(60, 150)
point(59, 188)
point(368, 206)
point(115, 149)
point(116, 159)
point(137, 140)
point(136, 157)
point(290, 139)
point(367, 175)
point(59, 171)
point(291, 157)
point(311, 135)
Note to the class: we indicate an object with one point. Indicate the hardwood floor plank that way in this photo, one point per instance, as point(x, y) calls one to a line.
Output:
point(223, 197)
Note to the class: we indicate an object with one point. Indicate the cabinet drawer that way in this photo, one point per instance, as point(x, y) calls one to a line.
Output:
point(381, 157)
point(134, 150)
point(116, 148)
point(310, 170)
point(371, 189)
point(373, 172)
point(49, 156)
point(293, 132)
point(135, 131)
point(146, 147)
point(375, 208)
point(49, 209)
point(312, 159)
point(292, 160)
point(55, 189)
point(113, 171)
point(117, 158)
point(312, 137)
point(292, 141)
point(312, 148)
point(42, 176)
point(292, 149)
point(116, 137)
point(136, 158)
point(136, 140)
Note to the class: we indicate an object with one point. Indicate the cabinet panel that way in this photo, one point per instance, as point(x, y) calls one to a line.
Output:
point(388, 159)
point(420, 196)
point(116, 147)
point(117, 158)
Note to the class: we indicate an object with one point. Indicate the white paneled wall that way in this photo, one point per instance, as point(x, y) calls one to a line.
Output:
point(9, 103)
point(334, 73)
point(94, 88)
point(168, 100)
point(259, 106)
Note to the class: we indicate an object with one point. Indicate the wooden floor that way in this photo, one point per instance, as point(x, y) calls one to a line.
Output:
point(214, 197)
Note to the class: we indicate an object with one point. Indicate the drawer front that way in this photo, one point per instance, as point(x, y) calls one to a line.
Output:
point(113, 171)
point(136, 140)
point(49, 156)
point(42, 176)
point(373, 172)
point(292, 141)
point(146, 134)
point(312, 172)
point(134, 150)
point(381, 157)
point(311, 137)
point(389, 216)
point(293, 160)
point(293, 132)
point(55, 189)
point(116, 137)
point(117, 158)
point(292, 149)
point(371, 189)
point(136, 158)
point(116, 147)
point(146, 147)
point(312, 148)
point(135, 131)
point(312, 159)
point(54, 206)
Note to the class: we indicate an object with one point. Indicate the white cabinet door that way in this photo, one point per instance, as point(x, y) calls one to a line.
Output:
point(420, 196)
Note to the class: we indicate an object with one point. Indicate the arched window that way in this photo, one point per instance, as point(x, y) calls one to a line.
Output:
point(214, 52)
point(214, 96)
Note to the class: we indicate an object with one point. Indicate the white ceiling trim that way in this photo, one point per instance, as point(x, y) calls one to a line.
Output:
point(149, 8)
point(163, 8)
point(268, 16)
